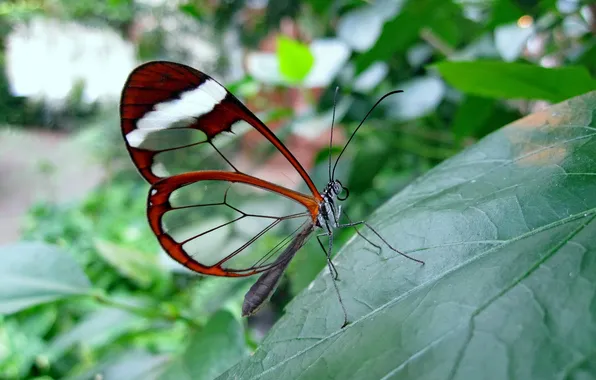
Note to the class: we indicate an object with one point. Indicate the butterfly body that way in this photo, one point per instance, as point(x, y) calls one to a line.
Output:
point(327, 220)
point(329, 211)
point(262, 290)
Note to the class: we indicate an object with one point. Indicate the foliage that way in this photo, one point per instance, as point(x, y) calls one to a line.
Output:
point(503, 225)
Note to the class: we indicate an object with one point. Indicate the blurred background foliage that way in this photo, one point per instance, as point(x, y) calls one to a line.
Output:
point(467, 68)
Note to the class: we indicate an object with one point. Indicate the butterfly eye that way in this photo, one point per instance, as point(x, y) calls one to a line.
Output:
point(337, 186)
point(340, 190)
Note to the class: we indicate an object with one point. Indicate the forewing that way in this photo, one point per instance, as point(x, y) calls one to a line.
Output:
point(176, 119)
point(226, 224)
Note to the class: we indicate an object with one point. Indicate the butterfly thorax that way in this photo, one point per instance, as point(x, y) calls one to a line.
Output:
point(329, 210)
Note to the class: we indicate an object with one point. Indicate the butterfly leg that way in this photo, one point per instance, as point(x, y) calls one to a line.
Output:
point(338, 216)
point(330, 265)
point(354, 224)
point(334, 274)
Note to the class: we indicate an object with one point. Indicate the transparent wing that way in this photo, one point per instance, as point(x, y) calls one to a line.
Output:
point(226, 224)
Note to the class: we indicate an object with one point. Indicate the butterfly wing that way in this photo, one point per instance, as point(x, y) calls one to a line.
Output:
point(213, 222)
point(172, 113)
point(220, 215)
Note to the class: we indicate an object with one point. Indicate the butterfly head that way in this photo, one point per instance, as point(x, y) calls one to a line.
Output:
point(335, 188)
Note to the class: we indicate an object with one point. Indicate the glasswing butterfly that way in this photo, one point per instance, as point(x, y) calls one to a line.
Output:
point(203, 210)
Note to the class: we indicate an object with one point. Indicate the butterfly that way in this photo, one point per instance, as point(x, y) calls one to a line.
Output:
point(211, 205)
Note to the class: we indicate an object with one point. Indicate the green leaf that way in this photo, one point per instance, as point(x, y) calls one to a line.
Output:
point(20, 348)
point(295, 59)
point(370, 158)
point(134, 364)
point(472, 115)
point(506, 229)
point(135, 265)
point(36, 273)
point(306, 266)
point(96, 329)
point(588, 57)
point(211, 350)
point(494, 79)
point(504, 12)
point(478, 116)
point(213, 293)
point(193, 11)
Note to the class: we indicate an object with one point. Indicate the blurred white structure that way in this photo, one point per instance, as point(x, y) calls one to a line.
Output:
point(46, 59)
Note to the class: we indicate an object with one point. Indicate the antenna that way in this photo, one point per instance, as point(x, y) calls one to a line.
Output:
point(332, 124)
point(360, 125)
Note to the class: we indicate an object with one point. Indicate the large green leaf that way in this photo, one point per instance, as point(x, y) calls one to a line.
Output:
point(35, 273)
point(494, 79)
point(507, 231)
